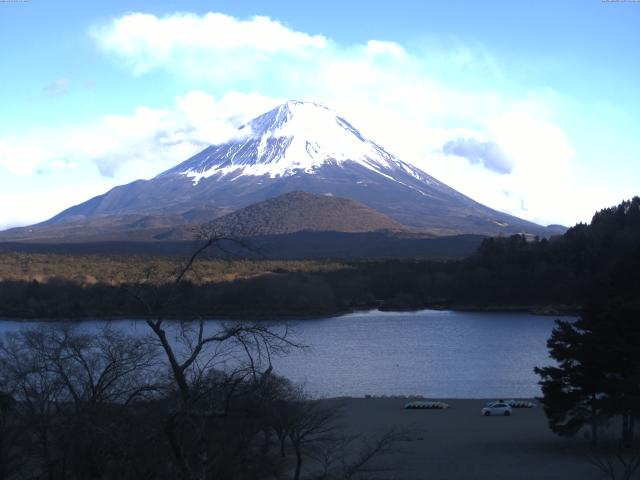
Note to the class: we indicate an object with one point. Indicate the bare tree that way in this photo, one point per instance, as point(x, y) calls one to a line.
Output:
point(617, 459)
point(195, 350)
point(314, 430)
point(355, 456)
point(39, 393)
point(66, 385)
point(258, 341)
point(107, 367)
point(313, 422)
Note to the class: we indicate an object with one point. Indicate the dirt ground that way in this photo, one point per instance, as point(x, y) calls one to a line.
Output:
point(459, 443)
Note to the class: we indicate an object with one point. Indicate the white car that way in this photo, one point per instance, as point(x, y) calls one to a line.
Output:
point(496, 408)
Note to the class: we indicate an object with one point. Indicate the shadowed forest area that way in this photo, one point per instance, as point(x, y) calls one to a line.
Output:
point(600, 260)
point(76, 406)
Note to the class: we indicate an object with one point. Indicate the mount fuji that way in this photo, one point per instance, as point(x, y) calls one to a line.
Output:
point(298, 146)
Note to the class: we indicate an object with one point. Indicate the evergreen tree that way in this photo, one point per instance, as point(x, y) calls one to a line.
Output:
point(598, 371)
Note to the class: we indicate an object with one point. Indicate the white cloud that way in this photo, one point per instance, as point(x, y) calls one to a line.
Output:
point(144, 35)
point(378, 47)
point(214, 46)
point(22, 160)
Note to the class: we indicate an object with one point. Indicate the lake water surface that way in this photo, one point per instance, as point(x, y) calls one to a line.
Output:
point(441, 354)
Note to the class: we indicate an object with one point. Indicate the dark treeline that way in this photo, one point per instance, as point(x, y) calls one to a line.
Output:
point(599, 260)
point(392, 284)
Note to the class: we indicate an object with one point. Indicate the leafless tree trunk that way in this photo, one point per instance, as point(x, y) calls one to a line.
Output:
point(192, 353)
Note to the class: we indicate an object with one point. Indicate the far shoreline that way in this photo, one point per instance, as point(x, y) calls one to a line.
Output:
point(539, 310)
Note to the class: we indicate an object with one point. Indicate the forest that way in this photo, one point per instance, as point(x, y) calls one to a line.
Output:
point(600, 260)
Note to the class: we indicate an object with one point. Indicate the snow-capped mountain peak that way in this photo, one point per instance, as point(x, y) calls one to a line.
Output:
point(296, 147)
point(295, 137)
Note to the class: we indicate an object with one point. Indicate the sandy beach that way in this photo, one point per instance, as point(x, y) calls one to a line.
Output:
point(459, 443)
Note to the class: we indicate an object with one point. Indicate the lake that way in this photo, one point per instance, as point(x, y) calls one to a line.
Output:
point(439, 354)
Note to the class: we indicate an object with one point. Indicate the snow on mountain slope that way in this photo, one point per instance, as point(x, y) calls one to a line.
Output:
point(293, 138)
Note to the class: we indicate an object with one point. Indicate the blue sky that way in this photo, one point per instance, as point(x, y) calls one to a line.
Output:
point(96, 94)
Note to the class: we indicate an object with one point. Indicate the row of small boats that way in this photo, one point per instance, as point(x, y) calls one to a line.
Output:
point(437, 405)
